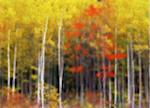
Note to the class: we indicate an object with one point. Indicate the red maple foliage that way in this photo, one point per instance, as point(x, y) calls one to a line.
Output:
point(91, 36)
point(77, 69)
point(110, 74)
point(92, 11)
point(78, 25)
point(67, 45)
point(94, 27)
point(118, 56)
point(68, 35)
point(75, 34)
point(77, 47)
point(99, 74)
point(85, 52)
point(108, 35)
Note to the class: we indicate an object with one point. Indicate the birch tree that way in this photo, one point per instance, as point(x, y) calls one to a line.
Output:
point(14, 69)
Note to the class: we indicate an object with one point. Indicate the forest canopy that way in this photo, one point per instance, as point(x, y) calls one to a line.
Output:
point(75, 53)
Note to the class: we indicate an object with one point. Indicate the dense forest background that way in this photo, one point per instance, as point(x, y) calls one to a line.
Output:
point(74, 54)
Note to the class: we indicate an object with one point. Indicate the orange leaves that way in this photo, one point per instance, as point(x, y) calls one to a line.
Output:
point(110, 74)
point(92, 11)
point(67, 45)
point(118, 56)
point(91, 36)
point(68, 35)
point(91, 96)
point(73, 34)
point(15, 99)
point(108, 35)
point(99, 74)
point(94, 26)
point(85, 52)
point(2, 28)
point(77, 47)
point(78, 25)
point(77, 69)
point(76, 34)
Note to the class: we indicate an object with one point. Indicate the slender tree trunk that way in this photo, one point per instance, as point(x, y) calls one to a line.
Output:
point(39, 83)
point(14, 68)
point(140, 81)
point(146, 86)
point(43, 63)
point(81, 89)
point(116, 66)
point(149, 54)
point(60, 62)
point(123, 88)
point(99, 81)
point(129, 75)
point(132, 68)
point(110, 90)
point(104, 82)
point(77, 89)
point(8, 63)
point(149, 61)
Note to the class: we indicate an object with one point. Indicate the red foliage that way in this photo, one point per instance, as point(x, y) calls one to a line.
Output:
point(77, 47)
point(76, 34)
point(78, 25)
point(108, 35)
point(85, 52)
point(108, 74)
point(91, 36)
point(99, 74)
point(66, 48)
point(92, 11)
point(116, 56)
point(77, 69)
point(111, 47)
point(67, 45)
point(90, 96)
point(68, 35)
point(15, 100)
point(94, 26)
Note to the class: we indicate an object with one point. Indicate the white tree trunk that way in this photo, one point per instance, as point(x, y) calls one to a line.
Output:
point(116, 66)
point(8, 63)
point(60, 63)
point(39, 80)
point(128, 76)
point(14, 68)
point(43, 62)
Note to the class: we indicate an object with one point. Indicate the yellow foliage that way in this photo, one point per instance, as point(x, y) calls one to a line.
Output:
point(141, 47)
point(51, 42)
point(51, 96)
